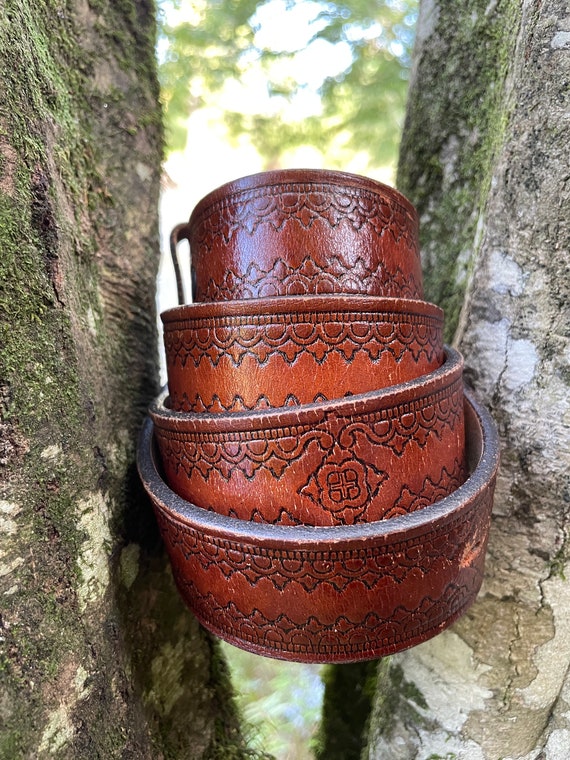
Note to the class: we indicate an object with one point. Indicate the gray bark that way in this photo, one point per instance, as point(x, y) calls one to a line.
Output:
point(98, 657)
point(496, 685)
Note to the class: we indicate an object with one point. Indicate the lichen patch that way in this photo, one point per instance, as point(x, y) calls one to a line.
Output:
point(129, 564)
point(166, 669)
point(427, 21)
point(8, 164)
point(561, 41)
point(8, 511)
point(58, 732)
point(522, 360)
point(508, 276)
point(8, 567)
point(93, 559)
point(51, 453)
point(557, 745)
point(80, 682)
point(445, 672)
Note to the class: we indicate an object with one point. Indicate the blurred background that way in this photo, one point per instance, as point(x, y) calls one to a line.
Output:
point(248, 86)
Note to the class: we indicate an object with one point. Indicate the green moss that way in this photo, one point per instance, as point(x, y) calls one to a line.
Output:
point(228, 738)
point(126, 25)
point(35, 363)
point(32, 74)
point(10, 745)
point(349, 691)
point(406, 689)
point(47, 285)
point(386, 697)
point(395, 699)
point(557, 564)
point(460, 91)
point(396, 696)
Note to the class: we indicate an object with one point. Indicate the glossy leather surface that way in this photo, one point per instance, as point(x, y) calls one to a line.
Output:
point(361, 458)
point(322, 482)
point(336, 594)
point(303, 231)
point(259, 353)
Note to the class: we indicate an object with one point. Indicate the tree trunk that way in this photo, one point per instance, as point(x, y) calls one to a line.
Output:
point(99, 659)
point(485, 158)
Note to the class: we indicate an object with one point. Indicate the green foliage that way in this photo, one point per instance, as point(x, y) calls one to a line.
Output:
point(361, 104)
point(201, 55)
point(231, 740)
point(279, 701)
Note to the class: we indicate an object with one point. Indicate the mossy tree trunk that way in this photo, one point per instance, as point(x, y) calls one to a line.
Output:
point(98, 657)
point(485, 157)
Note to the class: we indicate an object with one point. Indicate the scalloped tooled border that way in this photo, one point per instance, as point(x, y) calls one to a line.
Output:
point(395, 428)
point(334, 276)
point(288, 335)
point(341, 637)
point(303, 202)
point(451, 541)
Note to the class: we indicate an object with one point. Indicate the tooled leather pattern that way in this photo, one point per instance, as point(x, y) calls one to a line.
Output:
point(408, 501)
point(430, 492)
point(197, 405)
point(341, 637)
point(395, 427)
point(343, 485)
point(335, 276)
point(316, 333)
point(303, 204)
point(190, 342)
point(457, 540)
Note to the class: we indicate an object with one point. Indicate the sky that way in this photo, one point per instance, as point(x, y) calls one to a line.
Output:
point(211, 158)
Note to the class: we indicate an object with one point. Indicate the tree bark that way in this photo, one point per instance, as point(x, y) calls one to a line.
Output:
point(98, 656)
point(485, 158)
